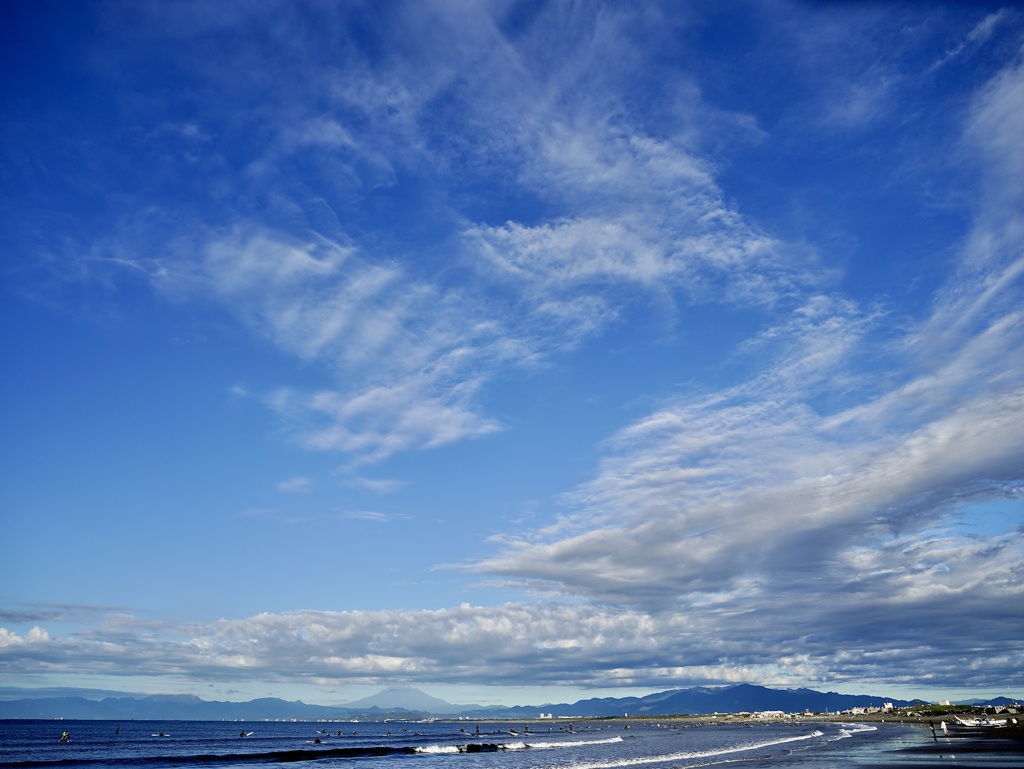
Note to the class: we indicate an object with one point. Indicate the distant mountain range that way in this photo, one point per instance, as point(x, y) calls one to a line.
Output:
point(406, 698)
point(409, 703)
point(705, 700)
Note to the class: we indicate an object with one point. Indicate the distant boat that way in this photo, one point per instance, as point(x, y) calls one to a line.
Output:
point(976, 723)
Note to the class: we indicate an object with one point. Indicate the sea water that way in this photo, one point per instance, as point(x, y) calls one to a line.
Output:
point(468, 745)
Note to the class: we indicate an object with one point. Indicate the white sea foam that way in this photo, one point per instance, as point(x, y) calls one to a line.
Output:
point(853, 728)
point(520, 745)
point(690, 755)
point(437, 749)
point(573, 743)
point(848, 730)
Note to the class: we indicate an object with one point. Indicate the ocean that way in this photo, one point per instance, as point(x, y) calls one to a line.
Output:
point(558, 744)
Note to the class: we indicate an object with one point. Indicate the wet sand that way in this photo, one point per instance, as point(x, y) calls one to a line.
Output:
point(990, 749)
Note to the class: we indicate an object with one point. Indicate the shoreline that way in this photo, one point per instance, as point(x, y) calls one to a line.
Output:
point(931, 725)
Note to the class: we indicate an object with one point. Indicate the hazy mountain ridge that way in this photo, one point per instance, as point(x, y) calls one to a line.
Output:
point(410, 703)
point(407, 698)
point(699, 700)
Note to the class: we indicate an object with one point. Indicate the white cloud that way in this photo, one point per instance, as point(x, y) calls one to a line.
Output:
point(654, 219)
point(755, 482)
point(980, 34)
point(407, 339)
point(376, 485)
point(298, 483)
point(889, 594)
point(831, 496)
point(410, 357)
point(810, 509)
point(415, 351)
point(652, 225)
point(9, 638)
point(373, 516)
point(418, 413)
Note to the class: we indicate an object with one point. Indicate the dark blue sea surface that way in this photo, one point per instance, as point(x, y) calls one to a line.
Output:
point(468, 745)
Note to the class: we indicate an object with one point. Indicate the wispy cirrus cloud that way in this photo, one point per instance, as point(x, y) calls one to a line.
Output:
point(980, 34)
point(745, 483)
point(618, 214)
point(406, 223)
point(374, 516)
point(638, 213)
point(833, 485)
point(412, 354)
point(296, 484)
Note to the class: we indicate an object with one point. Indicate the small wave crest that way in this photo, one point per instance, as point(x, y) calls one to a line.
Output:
point(573, 743)
point(849, 730)
point(689, 756)
point(854, 728)
point(438, 749)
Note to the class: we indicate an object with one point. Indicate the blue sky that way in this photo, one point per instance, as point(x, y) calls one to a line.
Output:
point(516, 351)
